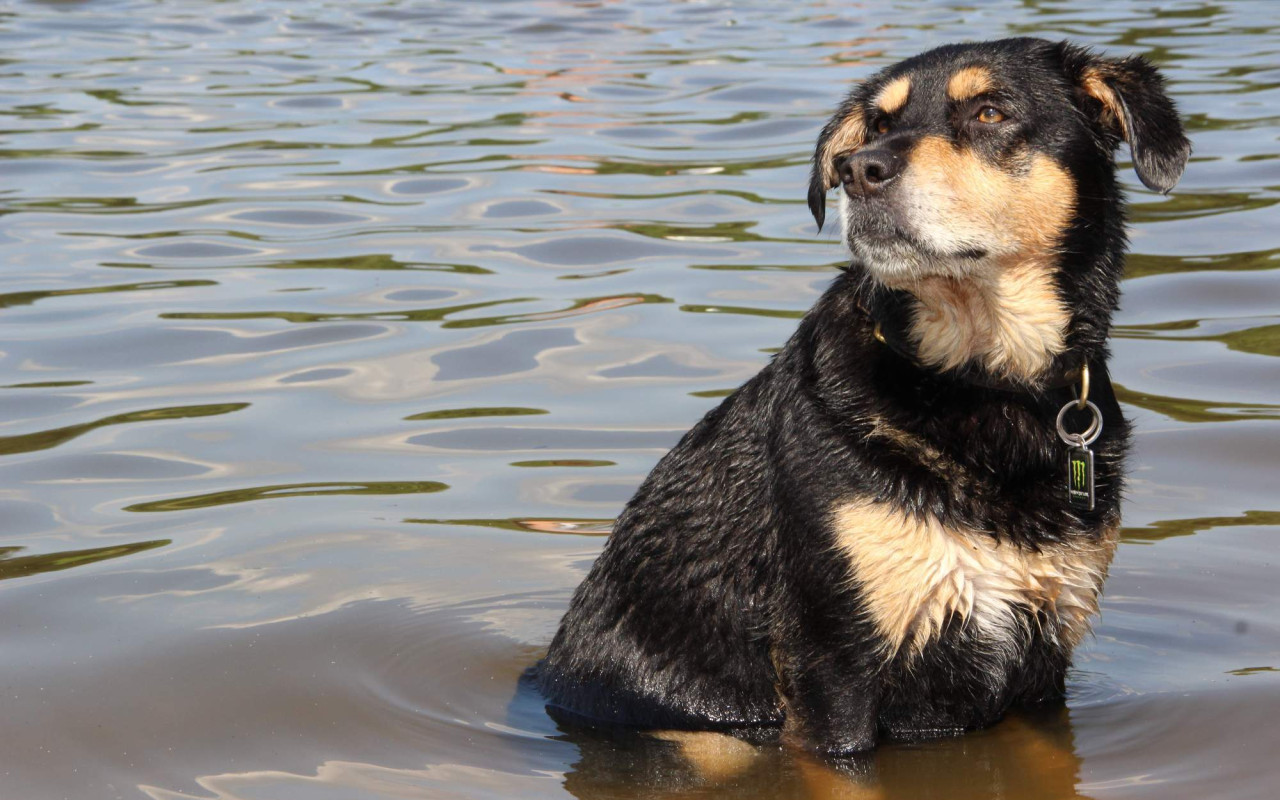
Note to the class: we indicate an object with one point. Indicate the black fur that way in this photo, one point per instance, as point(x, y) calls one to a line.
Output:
point(720, 600)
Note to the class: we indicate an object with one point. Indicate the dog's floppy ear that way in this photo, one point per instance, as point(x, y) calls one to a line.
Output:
point(818, 190)
point(843, 133)
point(1127, 97)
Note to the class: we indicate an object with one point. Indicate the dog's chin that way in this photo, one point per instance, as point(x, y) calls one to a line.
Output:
point(898, 263)
point(893, 252)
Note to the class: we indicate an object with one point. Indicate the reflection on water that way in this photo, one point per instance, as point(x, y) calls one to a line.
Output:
point(382, 310)
point(43, 440)
point(288, 490)
point(1027, 756)
point(12, 566)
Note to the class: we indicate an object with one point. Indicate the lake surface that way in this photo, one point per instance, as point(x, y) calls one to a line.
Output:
point(335, 334)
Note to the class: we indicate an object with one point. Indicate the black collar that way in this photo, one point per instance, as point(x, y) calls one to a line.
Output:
point(889, 313)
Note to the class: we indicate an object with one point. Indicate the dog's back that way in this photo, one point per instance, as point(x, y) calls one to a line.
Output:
point(671, 630)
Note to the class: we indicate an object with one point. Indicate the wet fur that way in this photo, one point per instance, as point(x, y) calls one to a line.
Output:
point(856, 545)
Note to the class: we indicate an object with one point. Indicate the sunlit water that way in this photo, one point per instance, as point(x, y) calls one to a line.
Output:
point(336, 333)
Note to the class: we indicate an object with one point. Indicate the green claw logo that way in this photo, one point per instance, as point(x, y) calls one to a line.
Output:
point(1078, 470)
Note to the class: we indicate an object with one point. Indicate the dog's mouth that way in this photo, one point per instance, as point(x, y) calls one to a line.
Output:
point(890, 247)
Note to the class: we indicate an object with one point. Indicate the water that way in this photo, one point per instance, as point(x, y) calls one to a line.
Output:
point(336, 333)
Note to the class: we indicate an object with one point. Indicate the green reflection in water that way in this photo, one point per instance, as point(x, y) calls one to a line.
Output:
point(750, 197)
point(1185, 409)
point(288, 490)
point(177, 235)
point(106, 205)
point(769, 267)
point(99, 206)
point(743, 310)
point(668, 168)
point(713, 393)
point(506, 119)
point(1141, 331)
point(27, 298)
point(1170, 528)
point(587, 305)
point(1141, 265)
point(578, 526)
point(8, 153)
point(718, 231)
point(369, 261)
point(565, 462)
point(46, 385)
point(410, 315)
point(463, 413)
point(1263, 340)
point(31, 110)
point(496, 162)
point(664, 120)
point(117, 97)
point(43, 440)
point(1190, 205)
point(1251, 671)
point(604, 273)
point(23, 566)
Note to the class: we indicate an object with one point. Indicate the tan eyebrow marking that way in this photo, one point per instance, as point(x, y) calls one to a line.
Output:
point(894, 95)
point(969, 82)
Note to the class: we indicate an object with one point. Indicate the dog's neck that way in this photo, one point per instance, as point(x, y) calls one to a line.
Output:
point(1005, 329)
point(1011, 323)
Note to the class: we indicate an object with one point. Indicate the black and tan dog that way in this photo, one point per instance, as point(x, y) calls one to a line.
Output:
point(874, 537)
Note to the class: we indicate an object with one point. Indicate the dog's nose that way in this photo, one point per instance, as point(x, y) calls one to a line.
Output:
point(867, 171)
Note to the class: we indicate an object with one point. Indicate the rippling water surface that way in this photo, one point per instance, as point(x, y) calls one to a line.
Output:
point(335, 334)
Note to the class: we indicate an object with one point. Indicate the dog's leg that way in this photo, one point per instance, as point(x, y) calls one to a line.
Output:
point(833, 707)
point(825, 650)
point(828, 678)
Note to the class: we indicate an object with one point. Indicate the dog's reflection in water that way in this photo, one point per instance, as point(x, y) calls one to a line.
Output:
point(1026, 756)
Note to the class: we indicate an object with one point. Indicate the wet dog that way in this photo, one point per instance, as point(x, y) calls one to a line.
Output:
point(892, 530)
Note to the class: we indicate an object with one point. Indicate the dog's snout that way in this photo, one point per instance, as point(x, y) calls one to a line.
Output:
point(867, 171)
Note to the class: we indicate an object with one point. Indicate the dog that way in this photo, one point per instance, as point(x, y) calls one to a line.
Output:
point(891, 531)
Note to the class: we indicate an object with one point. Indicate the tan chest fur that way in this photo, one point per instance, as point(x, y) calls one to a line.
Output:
point(915, 574)
point(1012, 321)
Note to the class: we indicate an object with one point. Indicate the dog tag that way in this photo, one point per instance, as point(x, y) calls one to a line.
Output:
point(1080, 478)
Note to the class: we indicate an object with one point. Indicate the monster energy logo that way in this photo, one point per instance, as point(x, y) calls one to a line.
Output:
point(1080, 478)
point(1079, 473)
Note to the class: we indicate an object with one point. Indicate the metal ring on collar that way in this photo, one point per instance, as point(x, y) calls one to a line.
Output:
point(1084, 386)
point(1090, 434)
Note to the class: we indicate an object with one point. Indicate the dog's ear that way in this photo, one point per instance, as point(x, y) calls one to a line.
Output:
point(1127, 97)
point(843, 133)
point(818, 191)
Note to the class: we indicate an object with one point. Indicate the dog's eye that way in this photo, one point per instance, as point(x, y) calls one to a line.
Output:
point(990, 115)
point(883, 125)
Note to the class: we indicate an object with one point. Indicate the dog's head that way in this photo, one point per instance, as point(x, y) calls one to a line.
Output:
point(969, 163)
